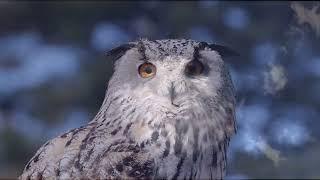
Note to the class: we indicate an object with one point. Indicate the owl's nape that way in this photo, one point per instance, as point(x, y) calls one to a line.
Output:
point(168, 113)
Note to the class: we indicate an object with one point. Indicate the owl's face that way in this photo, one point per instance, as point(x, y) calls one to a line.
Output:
point(177, 77)
point(170, 72)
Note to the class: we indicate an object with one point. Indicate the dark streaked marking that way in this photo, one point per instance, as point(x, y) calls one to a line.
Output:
point(221, 163)
point(92, 138)
point(104, 117)
point(68, 143)
point(84, 141)
point(141, 170)
point(174, 49)
point(196, 144)
point(46, 144)
point(195, 155)
point(225, 155)
point(28, 165)
point(57, 171)
point(116, 119)
point(132, 111)
point(110, 171)
point(106, 152)
point(148, 167)
point(167, 150)
point(142, 50)
point(89, 154)
point(39, 176)
point(77, 130)
point(194, 175)
point(197, 49)
point(154, 136)
point(112, 145)
point(178, 146)
point(108, 106)
point(205, 138)
point(229, 111)
point(180, 163)
point(119, 167)
point(159, 46)
point(114, 132)
point(128, 160)
point(191, 173)
point(142, 145)
point(127, 148)
point(131, 141)
point(36, 158)
point(214, 162)
point(74, 132)
point(126, 129)
point(64, 135)
point(77, 164)
point(148, 142)
point(83, 146)
point(156, 171)
point(134, 149)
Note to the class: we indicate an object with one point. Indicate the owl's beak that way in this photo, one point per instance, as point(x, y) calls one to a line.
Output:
point(172, 94)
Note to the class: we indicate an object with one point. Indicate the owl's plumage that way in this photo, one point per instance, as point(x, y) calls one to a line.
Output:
point(174, 124)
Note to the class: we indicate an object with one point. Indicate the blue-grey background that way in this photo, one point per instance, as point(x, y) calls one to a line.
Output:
point(53, 73)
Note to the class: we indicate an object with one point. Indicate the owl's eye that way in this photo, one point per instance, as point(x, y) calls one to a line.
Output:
point(147, 70)
point(194, 68)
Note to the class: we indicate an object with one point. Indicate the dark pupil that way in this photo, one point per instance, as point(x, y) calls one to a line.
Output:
point(148, 70)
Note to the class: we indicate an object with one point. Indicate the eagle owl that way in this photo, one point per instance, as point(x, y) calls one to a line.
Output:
point(169, 112)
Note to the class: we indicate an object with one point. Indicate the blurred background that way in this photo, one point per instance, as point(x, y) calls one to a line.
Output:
point(54, 73)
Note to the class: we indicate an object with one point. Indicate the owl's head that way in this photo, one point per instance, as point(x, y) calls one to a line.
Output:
point(176, 77)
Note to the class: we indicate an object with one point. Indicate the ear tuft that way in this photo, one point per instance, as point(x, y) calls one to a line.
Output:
point(119, 51)
point(223, 50)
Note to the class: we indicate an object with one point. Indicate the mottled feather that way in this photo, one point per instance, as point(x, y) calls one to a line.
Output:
point(170, 126)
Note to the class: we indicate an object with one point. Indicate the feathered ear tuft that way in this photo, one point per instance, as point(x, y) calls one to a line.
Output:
point(223, 50)
point(119, 51)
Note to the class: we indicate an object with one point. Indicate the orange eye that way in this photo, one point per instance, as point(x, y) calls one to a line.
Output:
point(147, 70)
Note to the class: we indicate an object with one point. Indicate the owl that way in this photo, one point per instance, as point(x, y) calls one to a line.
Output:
point(168, 112)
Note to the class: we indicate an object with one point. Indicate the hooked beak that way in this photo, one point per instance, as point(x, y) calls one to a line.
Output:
point(172, 94)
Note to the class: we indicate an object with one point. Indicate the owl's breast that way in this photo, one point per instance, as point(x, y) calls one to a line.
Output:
point(187, 140)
